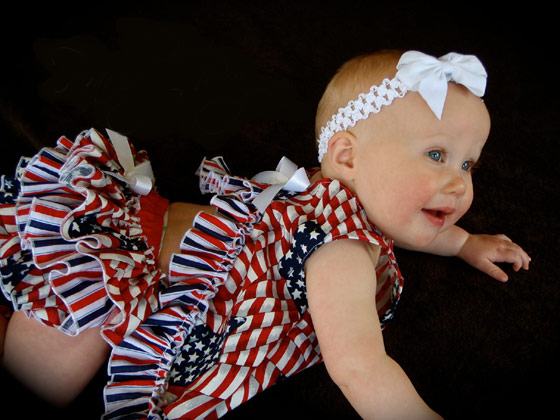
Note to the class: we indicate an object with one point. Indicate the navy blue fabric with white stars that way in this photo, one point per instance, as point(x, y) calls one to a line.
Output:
point(201, 351)
point(87, 224)
point(19, 264)
point(9, 189)
point(308, 237)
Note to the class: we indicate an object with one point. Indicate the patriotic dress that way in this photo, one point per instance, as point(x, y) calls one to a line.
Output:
point(234, 319)
point(78, 247)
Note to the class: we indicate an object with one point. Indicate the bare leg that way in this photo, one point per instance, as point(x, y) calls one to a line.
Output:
point(58, 367)
point(53, 365)
point(179, 220)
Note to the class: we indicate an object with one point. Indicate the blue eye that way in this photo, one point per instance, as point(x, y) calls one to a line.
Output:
point(435, 155)
point(466, 165)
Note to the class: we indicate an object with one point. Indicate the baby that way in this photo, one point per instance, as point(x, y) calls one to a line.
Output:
point(410, 165)
point(198, 323)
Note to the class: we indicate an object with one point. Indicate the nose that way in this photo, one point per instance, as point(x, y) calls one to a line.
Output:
point(455, 185)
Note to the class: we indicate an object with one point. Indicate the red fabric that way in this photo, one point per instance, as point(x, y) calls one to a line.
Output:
point(152, 211)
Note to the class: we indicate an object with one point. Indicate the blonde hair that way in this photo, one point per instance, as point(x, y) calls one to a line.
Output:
point(354, 77)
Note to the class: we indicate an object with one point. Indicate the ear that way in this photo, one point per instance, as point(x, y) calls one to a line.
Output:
point(341, 155)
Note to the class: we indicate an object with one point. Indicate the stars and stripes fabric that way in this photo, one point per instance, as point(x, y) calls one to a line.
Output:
point(78, 249)
point(235, 319)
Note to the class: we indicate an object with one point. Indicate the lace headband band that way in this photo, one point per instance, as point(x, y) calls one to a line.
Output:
point(417, 72)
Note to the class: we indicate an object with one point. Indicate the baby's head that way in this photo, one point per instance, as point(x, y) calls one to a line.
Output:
point(405, 147)
point(354, 77)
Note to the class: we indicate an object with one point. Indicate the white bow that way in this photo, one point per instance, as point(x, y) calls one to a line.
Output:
point(428, 75)
point(287, 176)
point(139, 177)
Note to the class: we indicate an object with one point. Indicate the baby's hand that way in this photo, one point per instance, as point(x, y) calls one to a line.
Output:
point(482, 251)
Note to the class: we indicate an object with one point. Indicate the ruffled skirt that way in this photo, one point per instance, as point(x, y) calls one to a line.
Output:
point(78, 247)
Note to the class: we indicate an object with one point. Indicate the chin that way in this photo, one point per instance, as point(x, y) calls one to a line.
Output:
point(425, 237)
point(422, 243)
point(416, 243)
point(413, 236)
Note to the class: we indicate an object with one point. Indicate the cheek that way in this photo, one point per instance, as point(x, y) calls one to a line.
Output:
point(467, 201)
point(463, 206)
point(403, 196)
point(416, 191)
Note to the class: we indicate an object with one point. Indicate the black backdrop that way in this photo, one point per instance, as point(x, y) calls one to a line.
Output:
point(242, 79)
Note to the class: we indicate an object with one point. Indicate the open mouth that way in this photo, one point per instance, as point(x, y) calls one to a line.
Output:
point(437, 216)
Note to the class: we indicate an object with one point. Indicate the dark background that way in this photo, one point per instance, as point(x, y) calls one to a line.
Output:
point(242, 79)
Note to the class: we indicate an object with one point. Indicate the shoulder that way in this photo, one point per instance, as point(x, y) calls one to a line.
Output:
point(347, 250)
point(344, 264)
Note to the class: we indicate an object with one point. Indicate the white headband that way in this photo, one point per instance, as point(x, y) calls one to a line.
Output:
point(417, 72)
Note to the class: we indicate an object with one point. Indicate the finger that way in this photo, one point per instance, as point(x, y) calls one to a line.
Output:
point(526, 259)
point(516, 255)
point(524, 256)
point(510, 245)
point(493, 270)
point(515, 258)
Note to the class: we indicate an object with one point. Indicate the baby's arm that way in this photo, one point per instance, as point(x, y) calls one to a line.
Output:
point(341, 286)
point(481, 251)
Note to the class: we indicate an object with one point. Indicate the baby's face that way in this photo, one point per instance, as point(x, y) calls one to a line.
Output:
point(413, 171)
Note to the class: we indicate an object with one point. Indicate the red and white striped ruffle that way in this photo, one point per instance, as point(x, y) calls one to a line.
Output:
point(228, 284)
point(73, 253)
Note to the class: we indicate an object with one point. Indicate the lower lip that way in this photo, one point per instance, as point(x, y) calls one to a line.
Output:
point(437, 219)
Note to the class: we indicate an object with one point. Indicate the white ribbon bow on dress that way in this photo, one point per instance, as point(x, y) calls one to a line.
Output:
point(428, 75)
point(139, 177)
point(287, 176)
